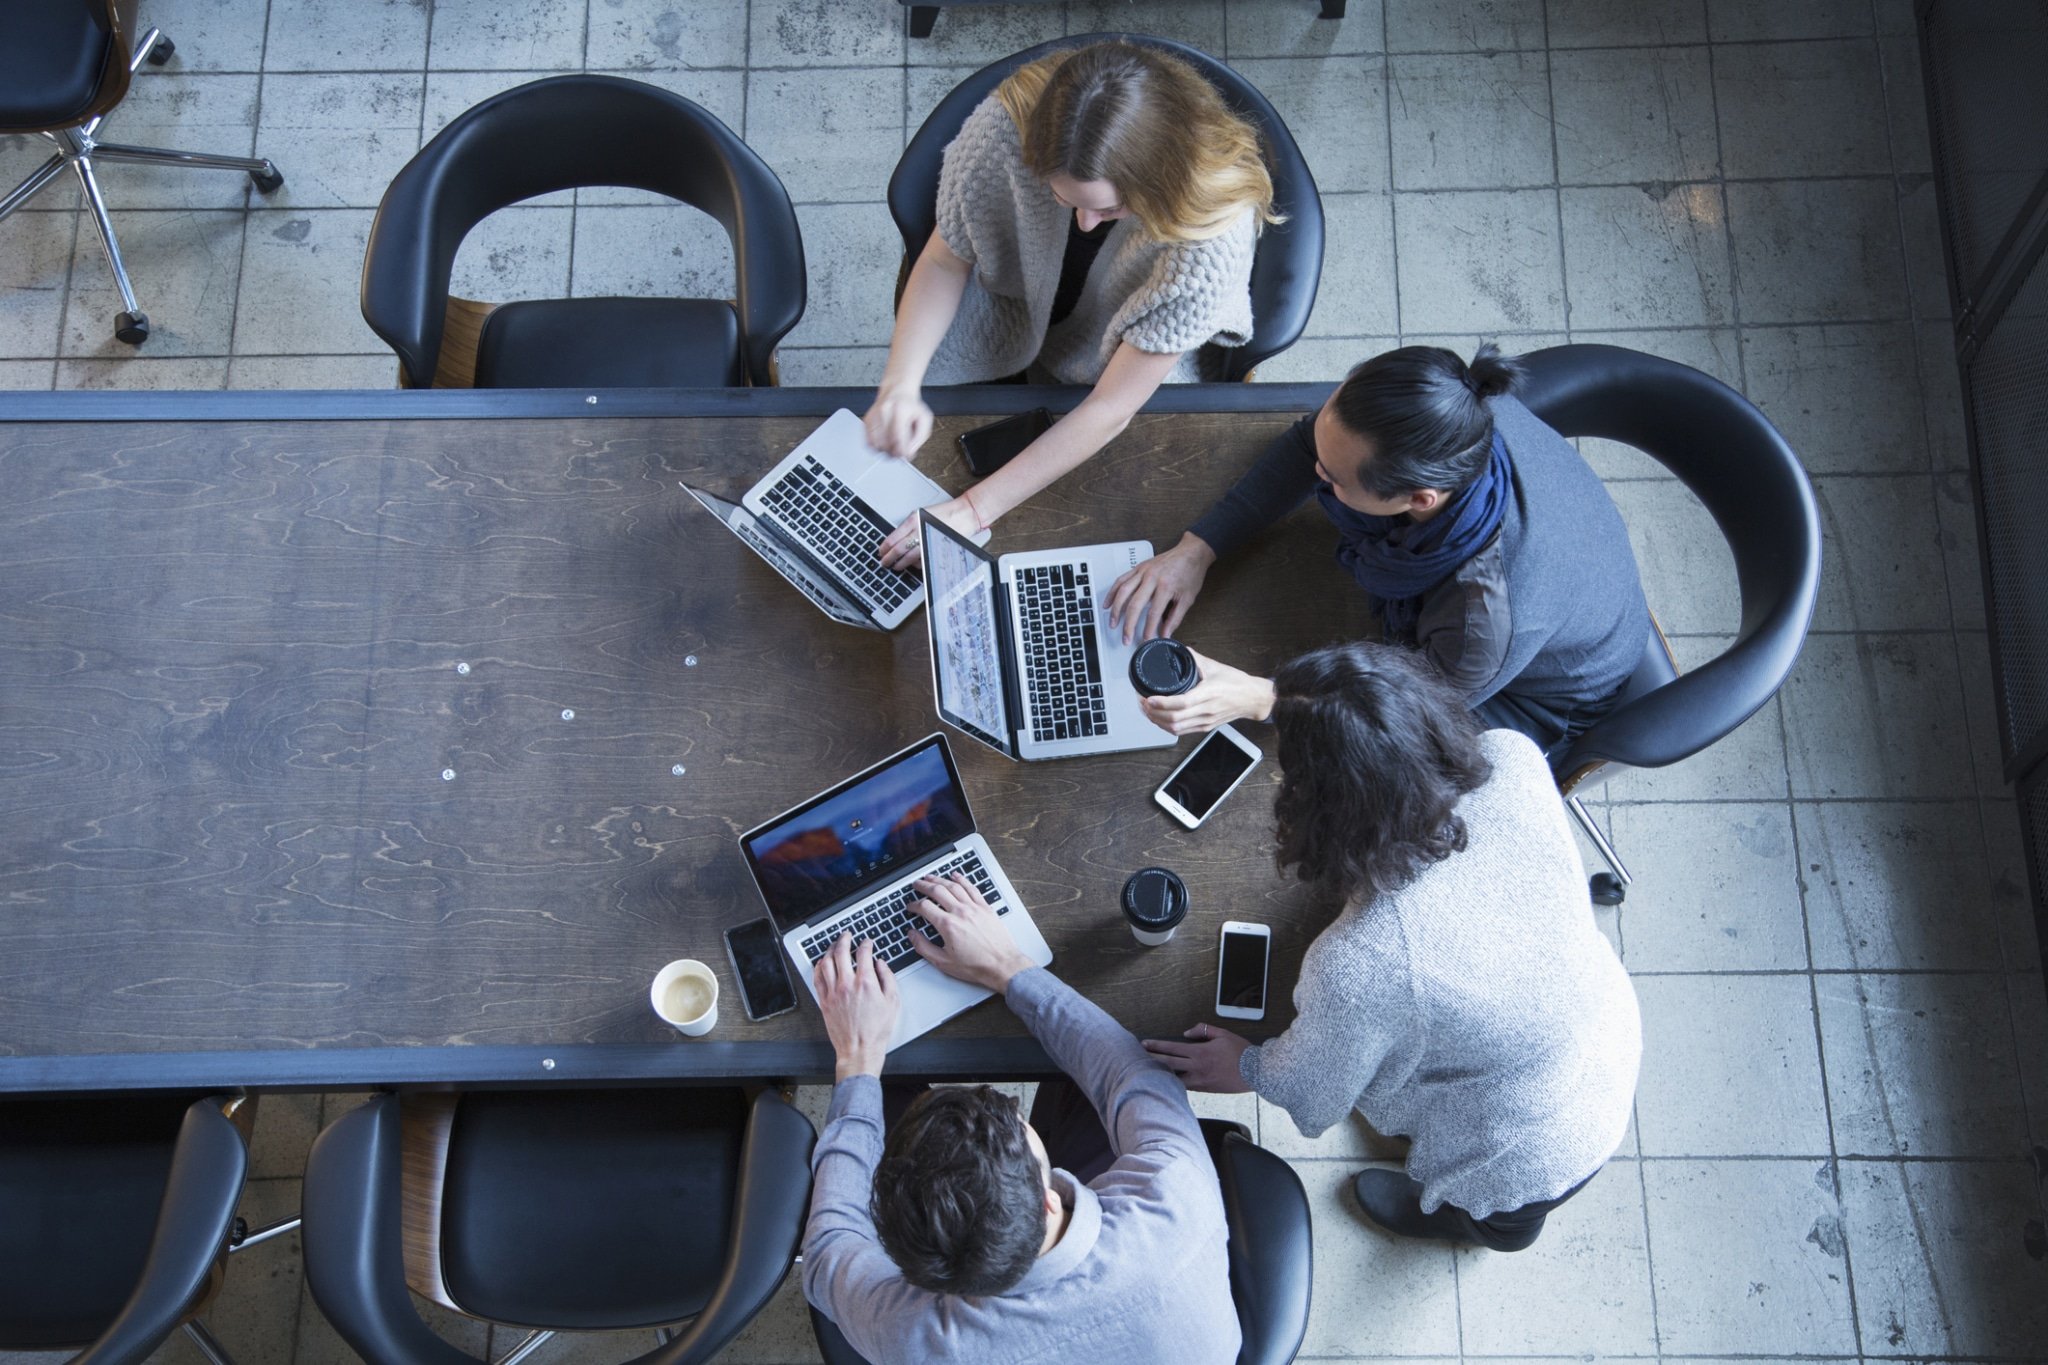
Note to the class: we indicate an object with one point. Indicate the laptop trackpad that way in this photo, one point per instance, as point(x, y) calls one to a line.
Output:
point(895, 488)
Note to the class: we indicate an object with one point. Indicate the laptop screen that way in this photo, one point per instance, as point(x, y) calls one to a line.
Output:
point(967, 658)
point(864, 831)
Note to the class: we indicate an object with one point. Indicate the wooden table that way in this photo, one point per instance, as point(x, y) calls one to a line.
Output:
point(291, 791)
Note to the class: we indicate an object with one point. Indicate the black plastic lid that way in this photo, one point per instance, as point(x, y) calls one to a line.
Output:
point(1163, 668)
point(1155, 900)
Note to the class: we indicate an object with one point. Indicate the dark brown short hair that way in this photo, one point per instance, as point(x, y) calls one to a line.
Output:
point(959, 1197)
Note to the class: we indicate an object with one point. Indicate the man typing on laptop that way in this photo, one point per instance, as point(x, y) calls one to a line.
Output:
point(966, 1234)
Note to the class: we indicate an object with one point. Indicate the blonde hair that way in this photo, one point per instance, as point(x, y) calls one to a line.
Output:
point(1149, 124)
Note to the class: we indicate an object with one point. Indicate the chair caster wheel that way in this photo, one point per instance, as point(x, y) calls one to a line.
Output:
point(162, 52)
point(132, 328)
point(266, 180)
point(1607, 889)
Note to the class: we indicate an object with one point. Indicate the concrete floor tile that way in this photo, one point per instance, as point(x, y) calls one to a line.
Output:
point(255, 1314)
point(1469, 121)
point(519, 253)
point(300, 284)
point(1243, 1109)
point(850, 253)
point(1479, 262)
point(1742, 21)
point(144, 372)
point(537, 35)
point(286, 1125)
point(1466, 343)
point(833, 140)
point(976, 35)
point(313, 372)
point(1748, 1258)
point(2018, 927)
point(339, 139)
point(370, 35)
point(1898, 885)
point(1747, 765)
point(1624, 23)
point(1881, 543)
point(185, 112)
point(821, 366)
point(780, 1334)
point(1940, 1251)
point(1646, 257)
point(663, 35)
point(1796, 109)
point(1955, 508)
point(1593, 1255)
point(812, 33)
point(2030, 1043)
point(924, 87)
point(1846, 397)
point(1921, 1065)
point(212, 35)
point(1282, 28)
point(1941, 391)
point(1480, 26)
point(1357, 295)
point(22, 153)
point(1816, 251)
point(1634, 114)
point(1730, 1068)
point(1717, 887)
point(1333, 106)
point(184, 267)
point(1927, 273)
point(1905, 100)
point(1321, 359)
point(1352, 1139)
point(1980, 712)
point(1688, 572)
point(1198, 23)
point(1877, 716)
point(1709, 350)
point(1373, 1291)
point(27, 374)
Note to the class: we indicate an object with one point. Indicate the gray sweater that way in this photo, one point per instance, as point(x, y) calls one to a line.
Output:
point(1478, 1010)
point(1162, 297)
point(1140, 1274)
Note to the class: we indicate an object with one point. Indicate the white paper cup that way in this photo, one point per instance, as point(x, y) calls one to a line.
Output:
point(1152, 940)
point(685, 996)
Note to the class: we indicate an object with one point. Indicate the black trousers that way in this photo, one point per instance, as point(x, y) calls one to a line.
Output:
point(1067, 1124)
point(1508, 1230)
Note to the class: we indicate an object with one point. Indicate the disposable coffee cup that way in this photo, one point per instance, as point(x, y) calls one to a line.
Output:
point(1155, 902)
point(685, 995)
point(1163, 668)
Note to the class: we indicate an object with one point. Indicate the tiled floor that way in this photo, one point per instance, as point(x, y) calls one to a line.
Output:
point(1846, 1070)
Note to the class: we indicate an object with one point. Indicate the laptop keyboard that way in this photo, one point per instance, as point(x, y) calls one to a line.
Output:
point(815, 505)
point(889, 921)
point(1062, 671)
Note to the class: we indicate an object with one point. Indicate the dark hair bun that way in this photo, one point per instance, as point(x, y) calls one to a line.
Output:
point(1492, 373)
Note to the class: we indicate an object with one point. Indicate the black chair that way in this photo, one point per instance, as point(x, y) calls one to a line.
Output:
point(64, 64)
point(116, 1214)
point(1288, 264)
point(558, 134)
point(594, 1210)
point(1272, 1252)
point(1735, 462)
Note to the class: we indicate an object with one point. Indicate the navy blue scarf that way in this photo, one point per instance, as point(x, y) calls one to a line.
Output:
point(1397, 560)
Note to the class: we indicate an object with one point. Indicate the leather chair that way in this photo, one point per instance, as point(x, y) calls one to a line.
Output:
point(563, 133)
point(555, 1210)
point(1288, 264)
point(1735, 462)
point(1272, 1252)
point(116, 1215)
point(64, 64)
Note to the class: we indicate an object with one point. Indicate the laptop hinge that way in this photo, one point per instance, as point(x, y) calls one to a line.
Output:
point(1013, 667)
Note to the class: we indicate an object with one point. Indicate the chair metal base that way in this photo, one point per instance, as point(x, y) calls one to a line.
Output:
point(1608, 888)
point(78, 149)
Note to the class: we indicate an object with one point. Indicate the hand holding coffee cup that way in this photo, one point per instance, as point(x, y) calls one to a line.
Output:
point(685, 995)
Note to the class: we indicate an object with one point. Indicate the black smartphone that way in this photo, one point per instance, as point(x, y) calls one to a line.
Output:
point(756, 953)
point(987, 449)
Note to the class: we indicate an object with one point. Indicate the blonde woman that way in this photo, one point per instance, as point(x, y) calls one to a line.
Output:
point(1096, 219)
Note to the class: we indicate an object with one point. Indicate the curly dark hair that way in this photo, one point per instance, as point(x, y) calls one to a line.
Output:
point(1376, 750)
point(959, 1197)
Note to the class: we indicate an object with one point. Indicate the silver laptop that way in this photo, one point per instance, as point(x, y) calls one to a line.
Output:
point(845, 862)
point(1023, 658)
point(819, 518)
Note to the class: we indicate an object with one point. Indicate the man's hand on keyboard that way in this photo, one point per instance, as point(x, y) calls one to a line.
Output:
point(857, 996)
point(978, 947)
point(904, 547)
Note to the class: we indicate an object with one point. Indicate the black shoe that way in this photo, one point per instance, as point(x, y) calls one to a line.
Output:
point(1393, 1201)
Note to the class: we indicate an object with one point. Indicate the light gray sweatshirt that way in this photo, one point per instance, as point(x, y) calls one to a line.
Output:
point(1478, 1010)
point(1139, 1278)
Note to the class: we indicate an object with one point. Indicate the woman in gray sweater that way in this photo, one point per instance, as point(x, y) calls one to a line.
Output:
point(1463, 997)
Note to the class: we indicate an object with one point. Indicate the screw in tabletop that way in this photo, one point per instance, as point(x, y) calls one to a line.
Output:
point(567, 714)
point(547, 1064)
point(447, 774)
point(677, 771)
point(462, 669)
point(689, 661)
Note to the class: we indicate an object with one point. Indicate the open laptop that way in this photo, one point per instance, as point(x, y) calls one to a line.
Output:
point(845, 862)
point(819, 518)
point(1023, 658)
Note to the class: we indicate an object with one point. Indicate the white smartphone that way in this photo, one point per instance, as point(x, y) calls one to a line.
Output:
point(1241, 970)
point(1212, 772)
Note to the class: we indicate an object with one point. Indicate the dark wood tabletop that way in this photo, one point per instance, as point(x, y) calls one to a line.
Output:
point(346, 752)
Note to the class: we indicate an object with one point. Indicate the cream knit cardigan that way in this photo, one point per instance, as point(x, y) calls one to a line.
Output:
point(1162, 297)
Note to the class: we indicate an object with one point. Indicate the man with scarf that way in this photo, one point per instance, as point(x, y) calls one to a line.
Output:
point(1479, 533)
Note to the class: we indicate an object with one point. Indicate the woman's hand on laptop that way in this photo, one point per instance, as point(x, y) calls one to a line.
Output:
point(978, 947)
point(898, 421)
point(904, 546)
point(1222, 695)
point(857, 996)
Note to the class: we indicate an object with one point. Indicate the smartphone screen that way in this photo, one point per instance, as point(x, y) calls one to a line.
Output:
point(756, 951)
point(1241, 983)
point(1198, 784)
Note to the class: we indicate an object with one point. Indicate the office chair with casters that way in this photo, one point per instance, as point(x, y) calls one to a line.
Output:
point(1272, 1252)
point(116, 1216)
point(1735, 462)
point(562, 133)
point(1287, 264)
point(556, 1210)
point(64, 65)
